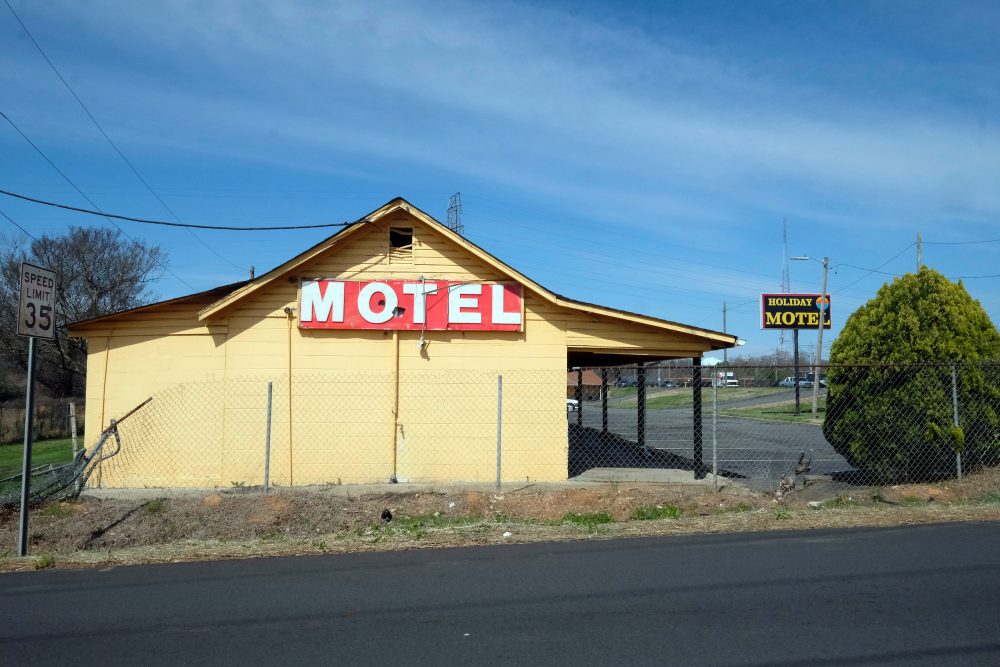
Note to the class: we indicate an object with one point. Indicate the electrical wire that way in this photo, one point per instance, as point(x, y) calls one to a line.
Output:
point(108, 139)
point(876, 270)
point(67, 179)
point(898, 275)
point(960, 242)
point(165, 223)
point(11, 221)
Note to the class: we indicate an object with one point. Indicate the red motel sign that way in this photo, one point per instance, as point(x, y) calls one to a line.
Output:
point(411, 305)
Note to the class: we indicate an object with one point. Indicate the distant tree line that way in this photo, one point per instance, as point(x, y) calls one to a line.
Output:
point(99, 273)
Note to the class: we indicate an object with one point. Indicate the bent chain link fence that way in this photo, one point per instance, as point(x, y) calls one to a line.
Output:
point(878, 424)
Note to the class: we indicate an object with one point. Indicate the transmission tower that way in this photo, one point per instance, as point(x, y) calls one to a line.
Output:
point(455, 214)
point(786, 284)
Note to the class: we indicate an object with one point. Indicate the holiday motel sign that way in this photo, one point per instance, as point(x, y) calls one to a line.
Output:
point(794, 311)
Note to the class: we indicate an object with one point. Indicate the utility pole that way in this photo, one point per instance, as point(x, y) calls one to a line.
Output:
point(725, 356)
point(819, 342)
point(786, 283)
point(919, 251)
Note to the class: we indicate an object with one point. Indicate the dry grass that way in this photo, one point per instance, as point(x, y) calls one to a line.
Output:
point(94, 532)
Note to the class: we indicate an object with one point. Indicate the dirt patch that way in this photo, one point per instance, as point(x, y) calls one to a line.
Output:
point(918, 493)
point(229, 524)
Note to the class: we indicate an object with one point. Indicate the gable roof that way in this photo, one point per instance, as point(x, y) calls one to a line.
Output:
point(716, 339)
point(228, 295)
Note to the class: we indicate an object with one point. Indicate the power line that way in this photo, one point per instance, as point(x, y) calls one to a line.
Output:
point(961, 242)
point(67, 179)
point(898, 275)
point(11, 221)
point(871, 271)
point(105, 135)
point(165, 223)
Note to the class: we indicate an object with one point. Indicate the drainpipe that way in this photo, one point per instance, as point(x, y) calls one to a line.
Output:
point(395, 404)
point(290, 315)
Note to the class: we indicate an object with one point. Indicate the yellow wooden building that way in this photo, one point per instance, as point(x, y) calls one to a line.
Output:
point(413, 402)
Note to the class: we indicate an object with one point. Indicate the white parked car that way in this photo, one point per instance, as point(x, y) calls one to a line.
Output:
point(790, 382)
point(572, 405)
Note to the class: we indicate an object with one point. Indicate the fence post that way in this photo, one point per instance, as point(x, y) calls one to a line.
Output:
point(954, 412)
point(72, 426)
point(699, 464)
point(604, 400)
point(267, 442)
point(640, 406)
point(715, 428)
point(499, 425)
point(578, 395)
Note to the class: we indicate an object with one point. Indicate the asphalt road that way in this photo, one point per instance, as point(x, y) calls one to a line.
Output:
point(917, 595)
point(761, 450)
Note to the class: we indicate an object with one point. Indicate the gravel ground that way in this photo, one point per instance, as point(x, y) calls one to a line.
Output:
point(236, 525)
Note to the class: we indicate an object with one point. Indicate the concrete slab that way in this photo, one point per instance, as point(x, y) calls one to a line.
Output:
point(649, 475)
point(591, 478)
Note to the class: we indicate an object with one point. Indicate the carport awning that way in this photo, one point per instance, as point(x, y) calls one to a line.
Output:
point(576, 358)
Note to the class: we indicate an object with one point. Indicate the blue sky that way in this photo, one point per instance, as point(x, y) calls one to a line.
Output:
point(640, 156)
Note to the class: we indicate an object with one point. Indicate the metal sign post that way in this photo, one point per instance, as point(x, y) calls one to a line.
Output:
point(36, 318)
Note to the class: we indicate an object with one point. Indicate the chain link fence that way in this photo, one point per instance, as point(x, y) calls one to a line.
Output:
point(757, 427)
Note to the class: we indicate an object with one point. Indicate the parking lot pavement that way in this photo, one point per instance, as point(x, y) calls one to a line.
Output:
point(761, 450)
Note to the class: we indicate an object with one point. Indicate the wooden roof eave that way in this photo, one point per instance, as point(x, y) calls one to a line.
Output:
point(82, 328)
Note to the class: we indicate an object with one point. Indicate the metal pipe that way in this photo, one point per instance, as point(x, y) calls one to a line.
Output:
point(578, 395)
point(641, 406)
point(395, 405)
point(819, 339)
point(291, 476)
point(795, 352)
point(267, 442)
point(604, 400)
point(499, 425)
point(715, 429)
point(29, 404)
point(697, 455)
point(954, 412)
point(72, 426)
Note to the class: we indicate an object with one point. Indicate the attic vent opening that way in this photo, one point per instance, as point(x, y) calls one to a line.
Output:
point(401, 245)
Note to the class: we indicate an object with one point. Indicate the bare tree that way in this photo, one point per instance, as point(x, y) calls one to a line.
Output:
point(99, 273)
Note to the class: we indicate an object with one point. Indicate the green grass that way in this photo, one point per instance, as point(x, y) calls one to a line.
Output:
point(782, 412)
point(56, 510)
point(654, 512)
point(417, 526)
point(154, 506)
point(45, 561)
point(676, 398)
point(56, 452)
point(842, 502)
point(588, 521)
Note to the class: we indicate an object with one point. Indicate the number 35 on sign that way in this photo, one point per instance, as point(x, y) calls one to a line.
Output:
point(36, 313)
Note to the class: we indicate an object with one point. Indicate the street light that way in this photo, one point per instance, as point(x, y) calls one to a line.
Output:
point(822, 312)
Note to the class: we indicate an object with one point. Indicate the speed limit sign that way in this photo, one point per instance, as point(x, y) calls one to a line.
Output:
point(36, 313)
